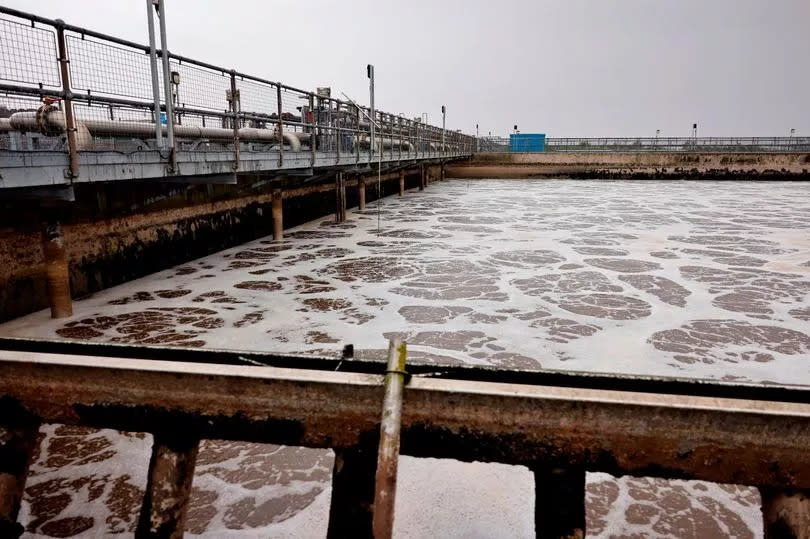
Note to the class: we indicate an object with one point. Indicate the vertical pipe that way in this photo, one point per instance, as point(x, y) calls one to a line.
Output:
point(421, 177)
point(385, 490)
point(235, 106)
point(278, 215)
point(167, 84)
point(70, 121)
point(350, 512)
point(785, 514)
point(559, 506)
point(401, 183)
point(442, 174)
point(340, 198)
point(168, 487)
point(357, 135)
point(17, 446)
point(56, 271)
point(361, 193)
point(280, 127)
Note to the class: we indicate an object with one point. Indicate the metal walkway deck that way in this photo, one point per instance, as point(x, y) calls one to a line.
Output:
point(80, 106)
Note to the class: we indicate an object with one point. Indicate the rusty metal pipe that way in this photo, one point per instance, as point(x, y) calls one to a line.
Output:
point(17, 446)
point(385, 489)
point(401, 183)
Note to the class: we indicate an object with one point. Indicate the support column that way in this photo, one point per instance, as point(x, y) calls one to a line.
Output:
point(361, 193)
point(421, 177)
point(56, 271)
point(559, 505)
point(340, 198)
point(351, 514)
point(168, 487)
point(785, 514)
point(278, 215)
point(16, 450)
point(401, 183)
point(442, 176)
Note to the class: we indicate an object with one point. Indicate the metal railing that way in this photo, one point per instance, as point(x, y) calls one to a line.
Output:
point(660, 144)
point(79, 90)
point(559, 424)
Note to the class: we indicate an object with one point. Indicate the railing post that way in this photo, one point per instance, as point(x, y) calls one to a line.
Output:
point(785, 513)
point(280, 127)
point(17, 446)
point(235, 106)
point(167, 87)
point(559, 506)
point(70, 121)
point(335, 125)
point(168, 487)
point(150, 17)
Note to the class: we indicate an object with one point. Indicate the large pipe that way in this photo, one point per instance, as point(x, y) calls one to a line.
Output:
point(27, 121)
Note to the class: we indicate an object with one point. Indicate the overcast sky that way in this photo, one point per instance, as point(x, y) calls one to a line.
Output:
point(561, 67)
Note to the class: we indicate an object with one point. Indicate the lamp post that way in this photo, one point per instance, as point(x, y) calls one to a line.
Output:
point(370, 73)
point(444, 111)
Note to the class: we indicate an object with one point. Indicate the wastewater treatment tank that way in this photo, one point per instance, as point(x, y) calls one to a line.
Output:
point(528, 142)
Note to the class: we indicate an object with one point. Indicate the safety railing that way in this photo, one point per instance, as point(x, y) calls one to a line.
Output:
point(659, 144)
point(79, 90)
point(559, 424)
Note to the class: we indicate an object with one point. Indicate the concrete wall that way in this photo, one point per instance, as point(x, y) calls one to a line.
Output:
point(634, 165)
point(114, 233)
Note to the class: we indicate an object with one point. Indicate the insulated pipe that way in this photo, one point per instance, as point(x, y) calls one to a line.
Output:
point(27, 121)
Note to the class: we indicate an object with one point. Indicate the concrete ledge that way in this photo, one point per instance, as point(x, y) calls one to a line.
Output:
point(640, 165)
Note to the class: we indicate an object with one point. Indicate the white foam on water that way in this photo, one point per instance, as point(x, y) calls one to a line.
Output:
point(530, 273)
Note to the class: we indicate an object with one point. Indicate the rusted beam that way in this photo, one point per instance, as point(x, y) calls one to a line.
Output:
point(171, 470)
point(350, 512)
point(17, 446)
point(385, 482)
point(722, 440)
point(56, 271)
point(785, 513)
point(559, 504)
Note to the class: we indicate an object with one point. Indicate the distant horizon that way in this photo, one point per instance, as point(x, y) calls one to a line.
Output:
point(581, 69)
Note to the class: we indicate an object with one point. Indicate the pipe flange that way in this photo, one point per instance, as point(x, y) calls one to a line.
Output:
point(45, 127)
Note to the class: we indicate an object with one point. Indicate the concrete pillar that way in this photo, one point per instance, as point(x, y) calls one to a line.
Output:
point(401, 183)
point(56, 271)
point(785, 514)
point(421, 177)
point(278, 215)
point(340, 198)
point(168, 486)
point(351, 511)
point(559, 505)
point(361, 193)
point(16, 450)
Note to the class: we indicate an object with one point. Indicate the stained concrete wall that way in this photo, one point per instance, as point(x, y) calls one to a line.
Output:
point(638, 165)
point(114, 233)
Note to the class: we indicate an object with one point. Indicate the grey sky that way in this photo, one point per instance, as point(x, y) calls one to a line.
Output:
point(563, 67)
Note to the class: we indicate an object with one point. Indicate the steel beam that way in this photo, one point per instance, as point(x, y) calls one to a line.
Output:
point(723, 440)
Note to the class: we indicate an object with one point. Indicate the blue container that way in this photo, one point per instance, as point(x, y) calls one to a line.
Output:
point(529, 142)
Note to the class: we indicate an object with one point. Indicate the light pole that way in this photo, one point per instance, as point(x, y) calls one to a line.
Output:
point(477, 140)
point(370, 73)
point(444, 111)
